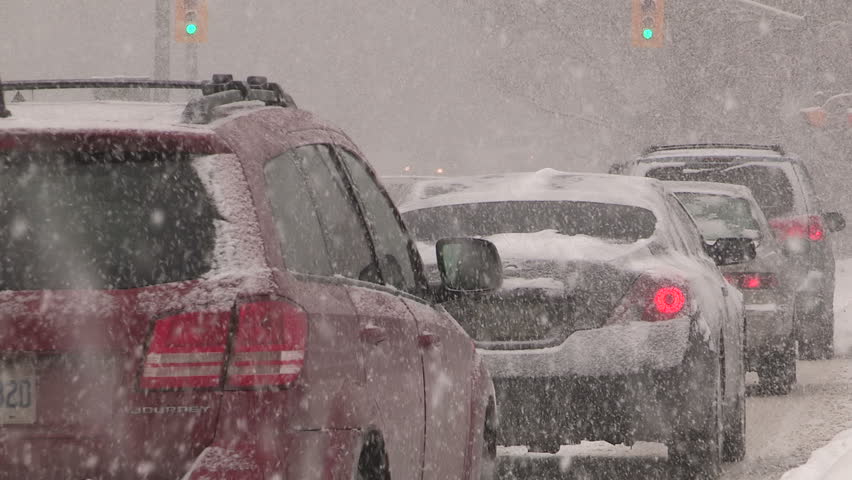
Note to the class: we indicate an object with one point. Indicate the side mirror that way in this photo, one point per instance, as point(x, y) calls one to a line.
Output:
point(469, 265)
point(730, 251)
point(834, 221)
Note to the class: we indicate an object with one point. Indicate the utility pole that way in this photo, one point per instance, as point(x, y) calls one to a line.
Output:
point(162, 42)
point(192, 61)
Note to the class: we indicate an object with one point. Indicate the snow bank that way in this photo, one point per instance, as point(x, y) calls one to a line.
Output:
point(831, 462)
point(843, 308)
point(834, 461)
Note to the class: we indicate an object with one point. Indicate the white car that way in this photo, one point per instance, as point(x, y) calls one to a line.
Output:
point(768, 282)
point(612, 322)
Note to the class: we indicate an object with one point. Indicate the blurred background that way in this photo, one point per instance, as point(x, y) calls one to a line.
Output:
point(483, 85)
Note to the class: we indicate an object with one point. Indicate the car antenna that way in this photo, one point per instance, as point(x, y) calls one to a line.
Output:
point(3, 112)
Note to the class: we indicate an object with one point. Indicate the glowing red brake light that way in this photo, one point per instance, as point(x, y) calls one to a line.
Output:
point(186, 351)
point(809, 227)
point(815, 230)
point(269, 345)
point(651, 300)
point(669, 300)
point(752, 281)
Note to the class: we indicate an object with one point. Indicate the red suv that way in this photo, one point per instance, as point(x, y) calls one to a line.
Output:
point(218, 290)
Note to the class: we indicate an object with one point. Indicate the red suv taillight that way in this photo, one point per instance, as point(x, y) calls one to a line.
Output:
point(267, 348)
point(807, 226)
point(752, 281)
point(187, 351)
point(651, 300)
point(269, 345)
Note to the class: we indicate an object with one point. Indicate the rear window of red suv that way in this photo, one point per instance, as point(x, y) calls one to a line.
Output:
point(769, 184)
point(102, 220)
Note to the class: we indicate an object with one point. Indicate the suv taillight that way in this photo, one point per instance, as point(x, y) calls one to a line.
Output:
point(269, 345)
point(651, 300)
point(187, 351)
point(805, 226)
point(267, 348)
point(752, 281)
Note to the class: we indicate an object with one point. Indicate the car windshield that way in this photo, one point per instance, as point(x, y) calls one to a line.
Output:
point(769, 184)
point(102, 220)
point(613, 222)
point(720, 216)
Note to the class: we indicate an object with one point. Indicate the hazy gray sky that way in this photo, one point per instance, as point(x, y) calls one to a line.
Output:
point(408, 79)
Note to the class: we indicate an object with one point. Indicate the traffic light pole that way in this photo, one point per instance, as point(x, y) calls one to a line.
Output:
point(162, 42)
point(192, 61)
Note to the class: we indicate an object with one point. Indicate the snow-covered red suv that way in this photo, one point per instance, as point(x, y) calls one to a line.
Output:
point(218, 290)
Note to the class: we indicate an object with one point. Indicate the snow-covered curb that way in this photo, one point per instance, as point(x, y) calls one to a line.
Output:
point(834, 461)
point(831, 462)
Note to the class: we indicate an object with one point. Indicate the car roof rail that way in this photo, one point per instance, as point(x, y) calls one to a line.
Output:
point(696, 146)
point(220, 90)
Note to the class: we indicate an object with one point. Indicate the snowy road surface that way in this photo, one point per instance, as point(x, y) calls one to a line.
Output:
point(782, 431)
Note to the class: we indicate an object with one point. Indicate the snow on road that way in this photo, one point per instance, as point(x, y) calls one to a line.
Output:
point(782, 432)
point(843, 308)
point(834, 461)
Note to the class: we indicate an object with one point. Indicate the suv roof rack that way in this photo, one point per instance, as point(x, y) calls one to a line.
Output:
point(696, 146)
point(222, 89)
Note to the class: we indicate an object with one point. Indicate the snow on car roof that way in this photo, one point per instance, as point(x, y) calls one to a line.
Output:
point(97, 115)
point(543, 185)
point(726, 189)
point(732, 153)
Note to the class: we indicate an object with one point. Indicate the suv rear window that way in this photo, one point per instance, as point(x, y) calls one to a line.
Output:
point(769, 184)
point(73, 220)
point(720, 216)
point(620, 223)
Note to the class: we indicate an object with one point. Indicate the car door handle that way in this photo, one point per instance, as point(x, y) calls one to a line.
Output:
point(428, 339)
point(373, 335)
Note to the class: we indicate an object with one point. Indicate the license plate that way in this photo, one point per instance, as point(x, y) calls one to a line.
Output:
point(17, 392)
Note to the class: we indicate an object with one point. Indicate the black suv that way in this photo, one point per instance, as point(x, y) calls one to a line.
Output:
point(782, 186)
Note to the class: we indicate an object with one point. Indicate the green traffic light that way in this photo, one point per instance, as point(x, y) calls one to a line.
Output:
point(648, 34)
point(191, 28)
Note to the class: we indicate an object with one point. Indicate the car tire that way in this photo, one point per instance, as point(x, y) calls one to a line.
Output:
point(696, 450)
point(373, 462)
point(488, 455)
point(820, 344)
point(778, 373)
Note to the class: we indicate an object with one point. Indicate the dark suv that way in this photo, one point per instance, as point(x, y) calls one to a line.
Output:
point(219, 290)
point(785, 192)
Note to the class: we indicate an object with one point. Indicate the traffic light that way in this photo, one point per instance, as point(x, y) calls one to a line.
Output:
point(191, 21)
point(648, 23)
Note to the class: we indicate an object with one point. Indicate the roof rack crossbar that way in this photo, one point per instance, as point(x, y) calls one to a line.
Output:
point(200, 110)
point(101, 83)
point(222, 90)
point(662, 148)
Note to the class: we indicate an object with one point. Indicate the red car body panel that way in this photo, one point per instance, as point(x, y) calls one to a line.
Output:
point(375, 358)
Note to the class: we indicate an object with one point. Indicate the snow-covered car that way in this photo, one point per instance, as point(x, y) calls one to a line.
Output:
point(768, 283)
point(399, 186)
point(612, 323)
point(789, 198)
point(218, 290)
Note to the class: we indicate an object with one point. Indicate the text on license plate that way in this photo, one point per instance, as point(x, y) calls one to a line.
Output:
point(17, 392)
